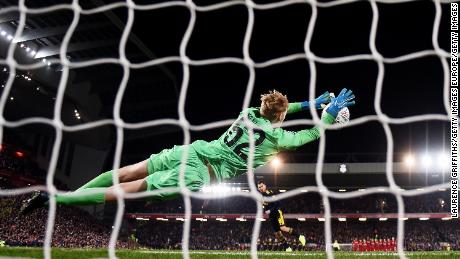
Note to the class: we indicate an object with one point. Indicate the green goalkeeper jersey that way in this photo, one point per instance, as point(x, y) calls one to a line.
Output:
point(229, 154)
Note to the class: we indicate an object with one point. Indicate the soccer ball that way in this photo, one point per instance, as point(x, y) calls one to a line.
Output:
point(342, 117)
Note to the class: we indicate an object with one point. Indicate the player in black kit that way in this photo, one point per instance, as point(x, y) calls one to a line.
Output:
point(275, 215)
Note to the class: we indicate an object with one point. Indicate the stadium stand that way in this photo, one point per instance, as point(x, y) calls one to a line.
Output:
point(306, 203)
point(75, 227)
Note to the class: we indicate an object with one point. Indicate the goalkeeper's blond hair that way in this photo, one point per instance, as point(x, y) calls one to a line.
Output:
point(274, 106)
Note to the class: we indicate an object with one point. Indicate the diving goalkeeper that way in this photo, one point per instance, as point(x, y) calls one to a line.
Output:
point(207, 162)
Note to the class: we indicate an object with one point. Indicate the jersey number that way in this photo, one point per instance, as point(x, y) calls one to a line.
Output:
point(237, 133)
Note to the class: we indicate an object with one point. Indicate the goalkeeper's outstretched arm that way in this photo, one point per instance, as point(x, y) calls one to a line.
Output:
point(302, 106)
point(291, 140)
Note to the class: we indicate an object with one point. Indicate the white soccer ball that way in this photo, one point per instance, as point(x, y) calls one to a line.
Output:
point(342, 117)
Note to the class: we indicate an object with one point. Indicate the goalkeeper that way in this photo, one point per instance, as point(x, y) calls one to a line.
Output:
point(207, 162)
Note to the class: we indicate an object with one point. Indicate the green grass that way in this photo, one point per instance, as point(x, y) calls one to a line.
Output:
point(168, 254)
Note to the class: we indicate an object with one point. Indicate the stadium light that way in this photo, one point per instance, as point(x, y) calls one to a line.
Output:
point(162, 219)
point(3, 33)
point(141, 219)
point(362, 219)
point(342, 190)
point(321, 219)
point(220, 188)
point(240, 219)
point(426, 160)
point(282, 190)
point(442, 202)
point(301, 219)
point(409, 160)
point(9, 37)
point(303, 190)
point(276, 163)
point(221, 219)
point(423, 218)
point(447, 218)
point(201, 219)
point(77, 114)
point(443, 160)
point(261, 219)
point(343, 168)
point(404, 218)
point(224, 189)
point(180, 219)
point(342, 219)
point(361, 190)
point(383, 219)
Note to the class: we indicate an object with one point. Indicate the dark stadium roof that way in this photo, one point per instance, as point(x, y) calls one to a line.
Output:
point(216, 92)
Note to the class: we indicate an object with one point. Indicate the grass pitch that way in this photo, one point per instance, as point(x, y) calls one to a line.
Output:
point(21, 252)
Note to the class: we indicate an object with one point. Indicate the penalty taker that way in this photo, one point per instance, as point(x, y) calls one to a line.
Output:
point(275, 214)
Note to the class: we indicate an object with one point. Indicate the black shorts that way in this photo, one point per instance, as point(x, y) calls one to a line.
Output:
point(276, 219)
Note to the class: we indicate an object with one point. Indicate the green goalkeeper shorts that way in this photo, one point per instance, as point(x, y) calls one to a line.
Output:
point(163, 171)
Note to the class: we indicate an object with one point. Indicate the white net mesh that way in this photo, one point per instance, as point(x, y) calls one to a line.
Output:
point(247, 61)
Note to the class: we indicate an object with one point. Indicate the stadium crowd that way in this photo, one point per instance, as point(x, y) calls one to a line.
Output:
point(236, 235)
point(73, 227)
point(17, 170)
point(18, 162)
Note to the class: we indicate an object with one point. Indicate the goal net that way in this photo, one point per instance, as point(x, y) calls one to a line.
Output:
point(247, 62)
